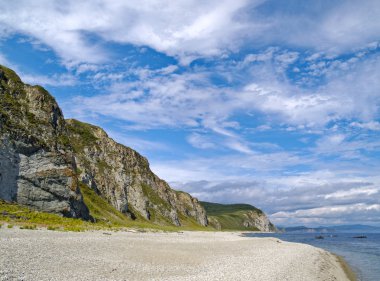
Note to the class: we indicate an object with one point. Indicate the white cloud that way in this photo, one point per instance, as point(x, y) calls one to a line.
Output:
point(200, 141)
point(335, 26)
point(140, 144)
point(185, 29)
point(188, 98)
point(346, 95)
point(322, 196)
point(36, 79)
point(352, 192)
point(4, 60)
point(346, 146)
point(372, 125)
point(54, 80)
point(349, 214)
point(188, 29)
point(191, 100)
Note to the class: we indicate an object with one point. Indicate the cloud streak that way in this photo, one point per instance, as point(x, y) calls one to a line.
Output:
point(233, 101)
point(189, 29)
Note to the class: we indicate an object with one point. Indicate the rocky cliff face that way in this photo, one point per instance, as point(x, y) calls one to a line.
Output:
point(249, 220)
point(43, 160)
point(237, 217)
point(258, 220)
point(123, 177)
point(36, 163)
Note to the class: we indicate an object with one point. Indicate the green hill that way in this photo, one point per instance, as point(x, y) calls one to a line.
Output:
point(237, 217)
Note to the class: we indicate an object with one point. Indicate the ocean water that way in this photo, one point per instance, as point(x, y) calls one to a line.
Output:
point(363, 255)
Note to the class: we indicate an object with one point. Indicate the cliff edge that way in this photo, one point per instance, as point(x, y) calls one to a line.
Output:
point(45, 159)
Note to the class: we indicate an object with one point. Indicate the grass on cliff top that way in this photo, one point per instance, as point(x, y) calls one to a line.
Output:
point(10, 74)
point(216, 209)
point(106, 218)
point(231, 216)
point(232, 221)
point(82, 133)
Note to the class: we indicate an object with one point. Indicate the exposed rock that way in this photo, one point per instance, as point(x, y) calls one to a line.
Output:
point(36, 161)
point(44, 158)
point(258, 220)
point(39, 169)
point(237, 217)
point(123, 177)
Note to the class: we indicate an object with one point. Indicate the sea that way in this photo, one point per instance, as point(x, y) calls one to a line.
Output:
point(362, 254)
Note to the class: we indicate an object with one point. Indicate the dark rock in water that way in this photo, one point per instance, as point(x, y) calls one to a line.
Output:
point(319, 237)
point(360, 236)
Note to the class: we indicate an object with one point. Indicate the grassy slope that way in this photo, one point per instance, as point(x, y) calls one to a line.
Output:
point(106, 217)
point(230, 217)
point(215, 209)
point(83, 136)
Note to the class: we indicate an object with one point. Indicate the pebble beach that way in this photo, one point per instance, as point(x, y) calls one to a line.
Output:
point(103, 255)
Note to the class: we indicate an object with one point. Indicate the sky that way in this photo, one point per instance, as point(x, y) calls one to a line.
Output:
point(271, 103)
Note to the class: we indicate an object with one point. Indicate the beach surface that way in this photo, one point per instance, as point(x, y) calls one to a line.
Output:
point(103, 255)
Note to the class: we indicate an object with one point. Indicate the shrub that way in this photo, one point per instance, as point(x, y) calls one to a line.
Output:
point(31, 227)
point(52, 228)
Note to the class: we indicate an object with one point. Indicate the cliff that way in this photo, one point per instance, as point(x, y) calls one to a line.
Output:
point(45, 160)
point(123, 177)
point(37, 167)
point(237, 217)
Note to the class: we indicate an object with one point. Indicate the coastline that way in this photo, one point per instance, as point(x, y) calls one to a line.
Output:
point(350, 273)
point(103, 255)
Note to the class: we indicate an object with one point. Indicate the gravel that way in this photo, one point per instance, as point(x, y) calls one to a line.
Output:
point(51, 255)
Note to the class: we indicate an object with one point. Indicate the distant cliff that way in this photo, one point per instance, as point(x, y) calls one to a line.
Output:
point(44, 160)
point(237, 217)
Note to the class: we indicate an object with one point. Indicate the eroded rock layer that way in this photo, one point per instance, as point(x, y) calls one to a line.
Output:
point(123, 177)
point(36, 162)
point(44, 159)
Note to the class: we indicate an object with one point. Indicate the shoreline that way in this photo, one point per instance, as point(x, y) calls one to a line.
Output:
point(350, 273)
point(348, 270)
point(106, 255)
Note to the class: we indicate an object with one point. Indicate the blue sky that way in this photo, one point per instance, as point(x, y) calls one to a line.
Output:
point(273, 103)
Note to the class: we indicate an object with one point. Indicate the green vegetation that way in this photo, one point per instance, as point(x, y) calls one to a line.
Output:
point(153, 197)
point(31, 119)
point(10, 74)
point(31, 227)
point(27, 218)
point(103, 166)
point(215, 209)
point(46, 95)
point(14, 110)
point(101, 210)
point(157, 201)
point(82, 133)
point(229, 217)
point(104, 214)
point(191, 224)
